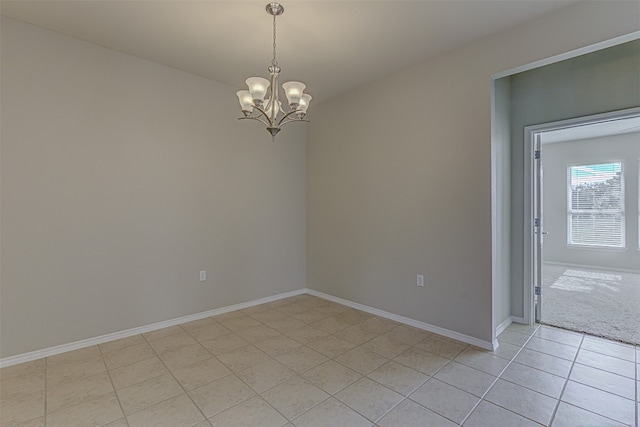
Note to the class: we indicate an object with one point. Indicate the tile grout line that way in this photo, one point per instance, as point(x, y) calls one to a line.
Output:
point(259, 395)
point(332, 395)
point(330, 359)
point(156, 354)
point(69, 405)
point(270, 357)
point(45, 392)
point(430, 377)
point(433, 377)
point(215, 357)
point(566, 382)
point(618, 341)
point(363, 375)
point(175, 379)
point(637, 352)
point(301, 374)
point(404, 397)
point(585, 336)
point(499, 375)
point(113, 385)
point(102, 354)
point(574, 362)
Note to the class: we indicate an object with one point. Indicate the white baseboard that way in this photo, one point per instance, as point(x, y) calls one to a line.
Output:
point(504, 325)
point(51, 351)
point(516, 319)
point(487, 345)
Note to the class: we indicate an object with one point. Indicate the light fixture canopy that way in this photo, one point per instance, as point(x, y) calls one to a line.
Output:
point(261, 102)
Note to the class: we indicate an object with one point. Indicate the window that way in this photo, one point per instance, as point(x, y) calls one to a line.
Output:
point(595, 213)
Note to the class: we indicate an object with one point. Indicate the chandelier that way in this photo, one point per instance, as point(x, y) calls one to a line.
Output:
point(261, 101)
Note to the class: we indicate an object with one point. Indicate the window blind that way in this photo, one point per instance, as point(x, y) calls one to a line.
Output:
point(595, 214)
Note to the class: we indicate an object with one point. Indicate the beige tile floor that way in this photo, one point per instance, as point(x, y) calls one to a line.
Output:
point(304, 361)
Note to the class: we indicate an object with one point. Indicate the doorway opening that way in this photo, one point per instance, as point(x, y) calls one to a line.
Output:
point(584, 224)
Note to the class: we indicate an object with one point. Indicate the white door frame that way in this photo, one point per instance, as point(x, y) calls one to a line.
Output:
point(497, 170)
point(530, 134)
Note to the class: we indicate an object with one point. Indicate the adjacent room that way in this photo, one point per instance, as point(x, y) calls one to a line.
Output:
point(591, 252)
point(190, 236)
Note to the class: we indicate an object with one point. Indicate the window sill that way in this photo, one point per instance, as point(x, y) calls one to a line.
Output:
point(597, 248)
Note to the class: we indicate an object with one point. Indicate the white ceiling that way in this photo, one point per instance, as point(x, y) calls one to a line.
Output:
point(332, 46)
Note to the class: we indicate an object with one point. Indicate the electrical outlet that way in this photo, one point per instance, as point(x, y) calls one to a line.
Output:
point(420, 280)
point(203, 275)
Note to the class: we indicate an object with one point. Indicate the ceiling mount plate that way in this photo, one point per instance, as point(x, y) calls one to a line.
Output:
point(274, 9)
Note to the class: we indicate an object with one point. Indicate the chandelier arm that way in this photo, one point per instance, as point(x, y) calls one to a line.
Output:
point(287, 116)
point(269, 122)
point(255, 118)
point(293, 120)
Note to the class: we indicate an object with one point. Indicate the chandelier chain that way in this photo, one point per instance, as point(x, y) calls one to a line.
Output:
point(274, 61)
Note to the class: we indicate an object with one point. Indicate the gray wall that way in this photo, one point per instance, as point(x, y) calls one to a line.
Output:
point(501, 161)
point(606, 80)
point(399, 176)
point(121, 179)
point(557, 157)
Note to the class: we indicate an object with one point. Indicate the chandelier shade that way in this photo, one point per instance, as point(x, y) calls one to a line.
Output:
point(304, 103)
point(293, 91)
point(246, 102)
point(257, 88)
point(261, 101)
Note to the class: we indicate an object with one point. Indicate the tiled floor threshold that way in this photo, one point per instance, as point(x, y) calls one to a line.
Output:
point(304, 361)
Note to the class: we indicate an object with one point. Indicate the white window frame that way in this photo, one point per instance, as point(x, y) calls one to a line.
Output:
point(620, 211)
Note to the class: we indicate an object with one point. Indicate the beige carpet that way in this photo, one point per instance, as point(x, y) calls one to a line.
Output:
point(597, 302)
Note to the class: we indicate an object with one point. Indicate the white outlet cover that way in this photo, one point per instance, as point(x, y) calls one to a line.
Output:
point(203, 275)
